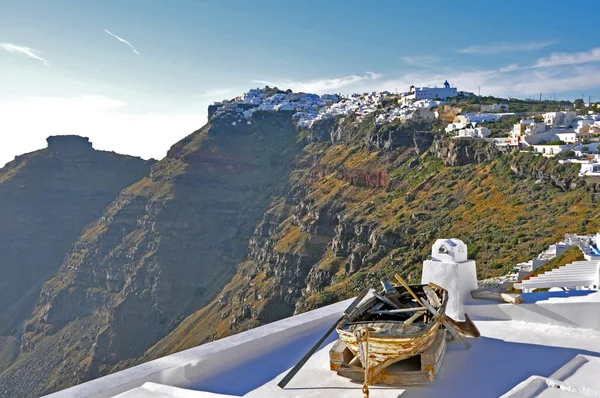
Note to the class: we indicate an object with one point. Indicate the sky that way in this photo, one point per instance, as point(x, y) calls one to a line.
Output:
point(136, 76)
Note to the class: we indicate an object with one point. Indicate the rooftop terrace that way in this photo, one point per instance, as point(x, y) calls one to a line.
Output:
point(535, 338)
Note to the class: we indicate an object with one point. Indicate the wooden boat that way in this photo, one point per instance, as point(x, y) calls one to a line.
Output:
point(381, 335)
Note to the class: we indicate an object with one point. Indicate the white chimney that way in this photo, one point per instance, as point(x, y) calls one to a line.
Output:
point(450, 269)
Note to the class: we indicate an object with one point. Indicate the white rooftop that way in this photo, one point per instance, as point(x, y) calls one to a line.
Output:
point(536, 338)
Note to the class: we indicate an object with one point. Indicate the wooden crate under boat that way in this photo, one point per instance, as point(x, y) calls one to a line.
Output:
point(417, 370)
point(384, 337)
point(393, 337)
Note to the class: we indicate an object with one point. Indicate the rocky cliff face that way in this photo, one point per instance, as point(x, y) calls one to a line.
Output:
point(462, 151)
point(243, 225)
point(46, 199)
point(359, 211)
point(165, 246)
point(547, 170)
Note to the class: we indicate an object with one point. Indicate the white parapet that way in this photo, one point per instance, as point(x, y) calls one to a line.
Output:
point(450, 269)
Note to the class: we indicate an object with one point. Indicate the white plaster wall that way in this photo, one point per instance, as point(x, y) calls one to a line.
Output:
point(450, 269)
point(191, 367)
point(577, 309)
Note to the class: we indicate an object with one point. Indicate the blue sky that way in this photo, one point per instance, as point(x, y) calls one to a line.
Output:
point(61, 72)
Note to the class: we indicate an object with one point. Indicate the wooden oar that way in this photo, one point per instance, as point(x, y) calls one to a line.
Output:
point(384, 299)
point(303, 361)
point(391, 294)
point(466, 327)
point(425, 303)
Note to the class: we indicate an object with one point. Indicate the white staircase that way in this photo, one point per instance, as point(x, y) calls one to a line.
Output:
point(577, 378)
point(575, 275)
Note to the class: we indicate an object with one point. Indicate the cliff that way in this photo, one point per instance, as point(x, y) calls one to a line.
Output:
point(359, 212)
point(46, 198)
point(461, 151)
point(165, 246)
point(245, 224)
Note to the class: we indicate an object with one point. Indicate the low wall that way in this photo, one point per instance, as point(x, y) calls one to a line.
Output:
point(571, 309)
point(198, 366)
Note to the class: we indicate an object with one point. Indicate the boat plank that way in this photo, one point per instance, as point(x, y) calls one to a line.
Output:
point(409, 378)
point(432, 354)
point(432, 297)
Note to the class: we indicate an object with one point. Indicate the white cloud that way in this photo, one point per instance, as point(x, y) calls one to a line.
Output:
point(217, 92)
point(26, 123)
point(557, 59)
point(509, 68)
point(30, 52)
point(123, 41)
point(504, 47)
point(420, 60)
point(321, 85)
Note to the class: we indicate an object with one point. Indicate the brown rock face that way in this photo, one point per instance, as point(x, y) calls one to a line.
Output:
point(46, 199)
point(243, 225)
point(165, 246)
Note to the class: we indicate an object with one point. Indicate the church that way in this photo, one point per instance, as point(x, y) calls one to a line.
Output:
point(419, 93)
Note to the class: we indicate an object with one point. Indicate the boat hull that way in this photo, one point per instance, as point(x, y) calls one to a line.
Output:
point(385, 350)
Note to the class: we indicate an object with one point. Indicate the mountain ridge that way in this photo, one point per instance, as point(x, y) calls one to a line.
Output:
point(248, 221)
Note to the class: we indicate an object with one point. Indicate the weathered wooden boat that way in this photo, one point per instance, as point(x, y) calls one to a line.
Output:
point(391, 326)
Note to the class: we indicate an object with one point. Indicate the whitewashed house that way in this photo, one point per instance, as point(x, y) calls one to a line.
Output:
point(590, 168)
point(527, 127)
point(584, 149)
point(572, 137)
point(455, 126)
point(560, 118)
point(476, 132)
point(551, 150)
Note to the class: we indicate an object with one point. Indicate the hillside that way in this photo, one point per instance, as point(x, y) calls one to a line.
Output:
point(246, 223)
point(46, 199)
point(165, 246)
point(362, 212)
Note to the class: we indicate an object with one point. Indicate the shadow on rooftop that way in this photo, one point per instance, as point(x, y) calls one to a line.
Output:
point(532, 298)
point(489, 369)
point(492, 367)
point(252, 374)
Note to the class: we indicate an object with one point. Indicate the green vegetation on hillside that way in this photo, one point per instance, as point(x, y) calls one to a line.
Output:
point(473, 104)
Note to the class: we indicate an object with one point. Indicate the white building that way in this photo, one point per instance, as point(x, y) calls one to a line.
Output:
point(455, 126)
point(551, 150)
point(482, 117)
point(419, 93)
point(561, 118)
point(584, 149)
point(572, 137)
point(525, 128)
point(476, 132)
point(590, 168)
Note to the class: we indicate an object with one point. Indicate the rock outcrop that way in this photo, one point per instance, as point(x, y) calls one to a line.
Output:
point(547, 170)
point(46, 199)
point(461, 151)
point(165, 246)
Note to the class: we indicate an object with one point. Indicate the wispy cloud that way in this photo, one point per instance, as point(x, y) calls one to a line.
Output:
point(216, 92)
point(321, 85)
point(504, 47)
point(557, 59)
point(123, 41)
point(30, 52)
point(509, 68)
point(420, 60)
